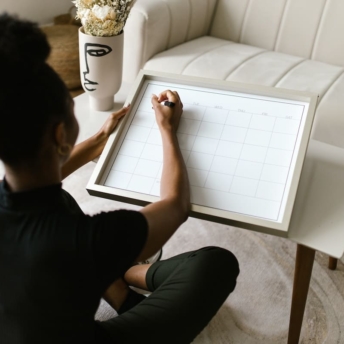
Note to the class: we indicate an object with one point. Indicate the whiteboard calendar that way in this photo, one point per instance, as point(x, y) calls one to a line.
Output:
point(241, 150)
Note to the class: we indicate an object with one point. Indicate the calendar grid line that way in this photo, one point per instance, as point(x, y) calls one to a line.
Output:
point(243, 143)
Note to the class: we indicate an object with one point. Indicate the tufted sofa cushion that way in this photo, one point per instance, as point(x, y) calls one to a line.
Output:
point(293, 44)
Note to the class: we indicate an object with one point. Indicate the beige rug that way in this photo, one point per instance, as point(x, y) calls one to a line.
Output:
point(258, 310)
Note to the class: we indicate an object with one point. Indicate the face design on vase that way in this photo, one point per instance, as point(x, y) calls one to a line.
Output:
point(93, 51)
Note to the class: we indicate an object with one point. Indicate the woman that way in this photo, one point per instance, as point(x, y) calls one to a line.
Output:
point(55, 262)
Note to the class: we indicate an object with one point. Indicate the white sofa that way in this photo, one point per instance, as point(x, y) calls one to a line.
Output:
point(294, 44)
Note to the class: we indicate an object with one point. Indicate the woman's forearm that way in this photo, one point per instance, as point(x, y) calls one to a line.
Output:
point(89, 149)
point(166, 215)
point(83, 153)
point(174, 183)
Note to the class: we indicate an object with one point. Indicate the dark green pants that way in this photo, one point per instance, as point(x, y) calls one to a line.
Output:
point(187, 291)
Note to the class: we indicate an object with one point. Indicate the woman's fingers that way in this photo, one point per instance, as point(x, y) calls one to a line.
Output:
point(168, 95)
point(155, 101)
point(167, 117)
point(112, 121)
point(120, 113)
point(116, 116)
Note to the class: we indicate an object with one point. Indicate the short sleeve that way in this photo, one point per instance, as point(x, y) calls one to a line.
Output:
point(118, 237)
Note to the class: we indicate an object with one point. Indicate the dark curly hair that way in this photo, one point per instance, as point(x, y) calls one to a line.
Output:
point(32, 95)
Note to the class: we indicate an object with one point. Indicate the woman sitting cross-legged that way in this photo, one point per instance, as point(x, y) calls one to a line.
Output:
point(56, 263)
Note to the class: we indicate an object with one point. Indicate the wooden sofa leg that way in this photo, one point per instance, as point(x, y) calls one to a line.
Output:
point(332, 263)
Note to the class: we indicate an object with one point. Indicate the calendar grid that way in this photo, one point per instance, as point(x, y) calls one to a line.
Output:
point(238, 160)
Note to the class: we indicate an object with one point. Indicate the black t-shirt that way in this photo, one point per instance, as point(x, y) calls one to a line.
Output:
point(56, 262)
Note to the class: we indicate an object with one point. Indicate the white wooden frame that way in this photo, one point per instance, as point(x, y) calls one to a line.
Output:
point(95, 186)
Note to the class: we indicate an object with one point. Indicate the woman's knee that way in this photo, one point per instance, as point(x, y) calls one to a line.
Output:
point(221, 257)
point(219, 263)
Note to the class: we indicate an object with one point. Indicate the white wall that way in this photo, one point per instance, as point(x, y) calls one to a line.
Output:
point(41, 11)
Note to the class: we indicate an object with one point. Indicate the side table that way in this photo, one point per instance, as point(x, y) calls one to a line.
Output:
point(317, 222)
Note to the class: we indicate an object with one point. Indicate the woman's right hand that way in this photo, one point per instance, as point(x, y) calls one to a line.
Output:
point(167, 117)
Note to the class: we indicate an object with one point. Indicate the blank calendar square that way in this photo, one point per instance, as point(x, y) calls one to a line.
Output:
point(243, 147)
point(286, 126)
point(278, 157)
point(125, 163)
point(244, 186)
point(132, 148)
point(275, 174)
point(258, 137)
point(249, 169)
point(147, 168)
point(211, 130)
point(200, 161)
point(224, 165)
point(152, 152)
point(141, 184)
point(154, 137)
point(239, 119)
point(218, 181)
point(188, 126)
point(144, 119)
point(270, 191)
point(155, 191)
point(185, 154)
point(193, 112)
point(208, 197)
point(205, 145)
point(253, 153)
point(229, 149)
point(137, 133)
point(215, 116)
point(186, 141)
point(197, 177)
point(118, 179)
point(261, 122)
point(234, 134)
point(283, 141)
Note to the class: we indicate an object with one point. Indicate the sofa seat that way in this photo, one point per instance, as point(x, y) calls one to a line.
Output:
point(217, 58)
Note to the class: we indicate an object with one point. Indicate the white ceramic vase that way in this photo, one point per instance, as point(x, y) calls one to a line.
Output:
point(101, 62)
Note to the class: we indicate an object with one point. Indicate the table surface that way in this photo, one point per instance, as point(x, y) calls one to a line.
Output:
point(318, 215)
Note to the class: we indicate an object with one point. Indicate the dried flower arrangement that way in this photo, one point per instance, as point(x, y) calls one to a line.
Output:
point(103, 17)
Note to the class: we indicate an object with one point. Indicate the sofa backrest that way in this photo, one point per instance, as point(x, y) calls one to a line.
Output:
point(188, 19)
point(311, 29)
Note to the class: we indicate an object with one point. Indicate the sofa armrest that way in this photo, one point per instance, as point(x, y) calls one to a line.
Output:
point(156, 25)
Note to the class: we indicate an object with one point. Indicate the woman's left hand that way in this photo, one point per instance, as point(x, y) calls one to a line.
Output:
point(111, 123)
point(90, 149)
point(108, 127)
